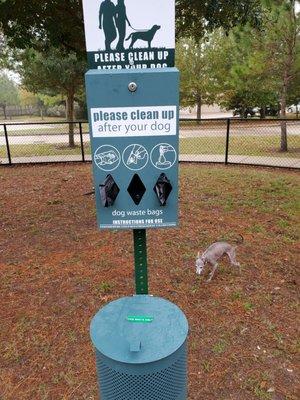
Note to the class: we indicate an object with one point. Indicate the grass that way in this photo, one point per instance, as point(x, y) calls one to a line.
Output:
point(259, 386)
point(248, 306)
point(42, 128)
point(30, 119)
point(219, 347)
point(237, 295)
point(104, 288)
point(206, 366)
point(35, 150)
point(48, 126)
point(278, 195)
point(246, 145)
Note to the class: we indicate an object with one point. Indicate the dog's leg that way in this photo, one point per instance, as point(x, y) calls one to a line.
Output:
point(132, 42)
point(232, 257)
point(211, 275)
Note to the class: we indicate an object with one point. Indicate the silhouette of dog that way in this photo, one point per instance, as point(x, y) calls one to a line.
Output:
point(146, 36)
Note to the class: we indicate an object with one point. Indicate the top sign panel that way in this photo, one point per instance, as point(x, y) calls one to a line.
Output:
point(130, 34)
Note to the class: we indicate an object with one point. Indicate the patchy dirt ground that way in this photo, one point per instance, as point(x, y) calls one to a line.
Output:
point(57, 270)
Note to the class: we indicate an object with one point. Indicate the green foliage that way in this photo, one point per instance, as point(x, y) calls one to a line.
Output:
point(294, 84)
point(260, 65)
point(57, 23)
point(8, 92)
point(247, 81)
point(197, 62)
point(247, 67)
point(27, 98)
point(42, 24)
point(30, 99)
point(194, 17)
point(52, 73)
point(49, 101)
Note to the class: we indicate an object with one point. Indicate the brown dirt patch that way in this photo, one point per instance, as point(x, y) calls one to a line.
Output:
point(57, 270)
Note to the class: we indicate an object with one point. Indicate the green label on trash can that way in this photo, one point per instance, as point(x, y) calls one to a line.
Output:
point(140, 319)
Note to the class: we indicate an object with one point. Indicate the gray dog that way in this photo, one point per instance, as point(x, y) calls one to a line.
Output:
point(213, 254)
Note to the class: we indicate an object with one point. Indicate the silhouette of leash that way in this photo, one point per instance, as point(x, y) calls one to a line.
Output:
point(139, 30)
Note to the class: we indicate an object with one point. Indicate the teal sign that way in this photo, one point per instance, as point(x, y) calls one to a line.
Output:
point(133, 118)
point(130, 34)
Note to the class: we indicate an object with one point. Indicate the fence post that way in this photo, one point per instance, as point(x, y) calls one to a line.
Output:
point(7, 144)
point(227, 141)
point(81, 142)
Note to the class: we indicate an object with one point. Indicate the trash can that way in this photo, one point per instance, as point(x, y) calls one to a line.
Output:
point(140, 345)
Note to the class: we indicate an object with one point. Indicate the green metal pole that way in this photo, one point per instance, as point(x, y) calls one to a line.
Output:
point(140, 260)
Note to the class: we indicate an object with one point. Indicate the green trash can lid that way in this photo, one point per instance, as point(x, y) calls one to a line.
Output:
point(139, 329)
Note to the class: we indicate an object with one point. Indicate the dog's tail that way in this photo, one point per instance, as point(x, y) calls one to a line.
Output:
point(238, 240)
point(129, 37)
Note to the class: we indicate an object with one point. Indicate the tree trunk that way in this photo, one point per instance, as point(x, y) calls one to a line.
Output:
point(262, 112)
point(4, 111)
point(70, 117)
point(290, 52)
point(283, 140)
point(199, 108)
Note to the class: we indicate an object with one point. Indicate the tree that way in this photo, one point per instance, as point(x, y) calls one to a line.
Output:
point(283, 29)
point(54, 73)
point(263, 62)
point(244, 80)
point(41, 24)
point(275, 45)
point(38, 101)
point(8, 93)
point(226, 69)
point(195, 17)
point(294, 85)
point(196, 61)
point(59, 24)
point(27, 99)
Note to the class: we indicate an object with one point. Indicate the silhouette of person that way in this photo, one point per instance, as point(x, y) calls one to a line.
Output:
point(121, 19)
point(107, 14)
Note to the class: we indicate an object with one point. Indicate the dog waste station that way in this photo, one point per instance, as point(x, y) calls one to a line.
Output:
point(132, 91)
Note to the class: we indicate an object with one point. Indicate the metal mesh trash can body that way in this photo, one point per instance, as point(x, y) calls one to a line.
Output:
point(140, 345)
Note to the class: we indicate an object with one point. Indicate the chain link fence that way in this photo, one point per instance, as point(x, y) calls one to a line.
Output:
point(240, 141)
point(43, 142)
point(270, 142)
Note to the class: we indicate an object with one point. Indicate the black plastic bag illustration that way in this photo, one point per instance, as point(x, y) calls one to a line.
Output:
point(162, 189)
point(109, 191)
point(136, 189)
